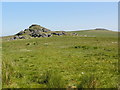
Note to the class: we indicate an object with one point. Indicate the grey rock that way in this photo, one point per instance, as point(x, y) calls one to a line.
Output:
point(59, 34)
point(49, 35)
point(74, 34)
point(20, 33)
point(22, 37)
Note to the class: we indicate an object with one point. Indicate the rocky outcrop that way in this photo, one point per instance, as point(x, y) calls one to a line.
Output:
point(38, 28)
point(33, 29)
point(36, 31)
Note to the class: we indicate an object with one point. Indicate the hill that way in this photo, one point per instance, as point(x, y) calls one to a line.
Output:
point(96, 33)
point(79, 59)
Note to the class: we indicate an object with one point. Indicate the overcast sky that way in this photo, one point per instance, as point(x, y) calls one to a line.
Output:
point(17, 16)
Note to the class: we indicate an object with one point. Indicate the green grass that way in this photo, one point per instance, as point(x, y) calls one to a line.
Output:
point(97, 33)
point(61, 62)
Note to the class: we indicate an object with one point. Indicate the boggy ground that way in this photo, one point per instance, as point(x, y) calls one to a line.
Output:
point(61, 62)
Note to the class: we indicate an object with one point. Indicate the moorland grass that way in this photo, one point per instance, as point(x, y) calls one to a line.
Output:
point(61, 62)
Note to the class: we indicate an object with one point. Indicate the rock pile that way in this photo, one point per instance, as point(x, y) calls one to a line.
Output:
point(36, 31)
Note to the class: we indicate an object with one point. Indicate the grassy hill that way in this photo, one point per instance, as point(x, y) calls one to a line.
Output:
point(97, 33)
point(62, 62)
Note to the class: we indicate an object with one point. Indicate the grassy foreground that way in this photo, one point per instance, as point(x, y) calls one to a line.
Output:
point(61, 62)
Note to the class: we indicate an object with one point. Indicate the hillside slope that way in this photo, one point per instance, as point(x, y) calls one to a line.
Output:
point(67, 61)
point(96, 33)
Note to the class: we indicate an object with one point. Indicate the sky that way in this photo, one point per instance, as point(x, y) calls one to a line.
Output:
point(65, 16)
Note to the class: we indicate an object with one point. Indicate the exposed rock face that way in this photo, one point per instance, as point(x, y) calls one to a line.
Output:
point(17, 37)
point(20, 33)
point(38, 28)
point(36, 31)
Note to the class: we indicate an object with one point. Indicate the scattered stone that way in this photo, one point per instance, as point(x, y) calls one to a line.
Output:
point(16, 37)
point(49, 35)
point(21, 37)
point(59, 34)
point(74, 34)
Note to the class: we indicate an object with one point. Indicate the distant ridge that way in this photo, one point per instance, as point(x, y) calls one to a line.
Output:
point(101, 29)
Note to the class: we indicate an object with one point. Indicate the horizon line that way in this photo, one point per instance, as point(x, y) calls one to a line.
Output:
point(73, 30)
